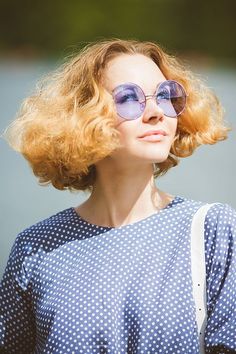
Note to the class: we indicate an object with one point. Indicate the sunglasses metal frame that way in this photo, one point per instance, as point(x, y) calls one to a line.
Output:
point(152, 96)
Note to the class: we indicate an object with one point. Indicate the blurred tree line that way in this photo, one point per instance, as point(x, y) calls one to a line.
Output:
point(36, 27)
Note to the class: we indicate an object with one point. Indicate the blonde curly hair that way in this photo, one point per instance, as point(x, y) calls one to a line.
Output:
point(69, 123)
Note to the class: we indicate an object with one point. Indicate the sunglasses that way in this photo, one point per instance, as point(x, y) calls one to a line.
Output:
point(130, 100)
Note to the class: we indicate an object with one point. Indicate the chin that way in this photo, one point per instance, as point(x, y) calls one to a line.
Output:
point(153, 153)
point(161, 159)
point(143, 155)
point(155, 158)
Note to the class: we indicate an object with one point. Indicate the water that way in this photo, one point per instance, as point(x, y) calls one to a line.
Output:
point(208, 175)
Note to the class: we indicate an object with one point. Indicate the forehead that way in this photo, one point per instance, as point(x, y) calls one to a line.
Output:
point(136, 68)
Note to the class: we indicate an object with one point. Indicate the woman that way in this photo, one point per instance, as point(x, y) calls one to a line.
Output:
point(113, 274)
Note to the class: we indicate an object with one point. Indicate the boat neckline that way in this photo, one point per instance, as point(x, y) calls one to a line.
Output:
point(174, 201)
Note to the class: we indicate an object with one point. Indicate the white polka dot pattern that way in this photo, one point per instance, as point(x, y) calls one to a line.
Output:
point(74, 287)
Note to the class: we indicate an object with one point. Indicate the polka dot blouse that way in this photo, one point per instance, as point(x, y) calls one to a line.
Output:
point(74, 287)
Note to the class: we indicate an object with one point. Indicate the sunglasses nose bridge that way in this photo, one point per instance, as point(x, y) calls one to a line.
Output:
point(149, 97)
point(156, 104)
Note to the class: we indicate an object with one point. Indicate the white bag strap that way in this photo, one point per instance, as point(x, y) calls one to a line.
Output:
point(198, 266)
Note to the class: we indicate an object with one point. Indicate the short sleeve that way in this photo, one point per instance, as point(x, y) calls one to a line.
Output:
point(17, 325)
point(220, 235)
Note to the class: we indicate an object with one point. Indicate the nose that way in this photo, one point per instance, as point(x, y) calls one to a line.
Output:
point(152, 110)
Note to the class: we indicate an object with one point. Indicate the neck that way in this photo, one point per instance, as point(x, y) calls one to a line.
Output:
point(123, 196)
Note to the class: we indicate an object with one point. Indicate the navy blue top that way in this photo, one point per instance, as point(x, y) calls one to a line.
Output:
point(74, 287)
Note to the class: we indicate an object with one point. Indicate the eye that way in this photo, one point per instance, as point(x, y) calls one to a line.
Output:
point(164, 94)
point(126, 96)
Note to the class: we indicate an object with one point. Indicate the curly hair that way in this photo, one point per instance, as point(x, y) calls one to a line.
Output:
point(69, 123)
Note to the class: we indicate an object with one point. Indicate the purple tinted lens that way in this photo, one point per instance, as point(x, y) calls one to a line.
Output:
point(171, 98)
point(129, 100)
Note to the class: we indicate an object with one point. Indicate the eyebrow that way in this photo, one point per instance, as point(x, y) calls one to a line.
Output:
point(132, 83)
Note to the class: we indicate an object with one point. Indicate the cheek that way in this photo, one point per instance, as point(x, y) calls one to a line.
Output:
point(173, 126)
point(126, 129)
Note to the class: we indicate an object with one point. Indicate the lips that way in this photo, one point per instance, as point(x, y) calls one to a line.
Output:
point(154, 132)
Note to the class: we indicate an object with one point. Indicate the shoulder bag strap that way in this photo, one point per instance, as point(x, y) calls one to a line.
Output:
point(198, 266)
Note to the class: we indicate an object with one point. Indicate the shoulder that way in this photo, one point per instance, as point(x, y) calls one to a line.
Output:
point(46, 233)
point(33, 243)
point(220, 217)
point(220, 221)
point(221, 214)
point(217, 213)
point(184, 208)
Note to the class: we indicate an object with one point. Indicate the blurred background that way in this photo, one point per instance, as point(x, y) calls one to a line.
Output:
point(35, 36)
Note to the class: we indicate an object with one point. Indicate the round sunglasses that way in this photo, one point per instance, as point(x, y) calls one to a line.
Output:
point(130, 100)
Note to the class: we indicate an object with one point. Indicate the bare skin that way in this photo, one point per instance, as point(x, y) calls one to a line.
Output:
point(101, 208)
point(125, 191)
